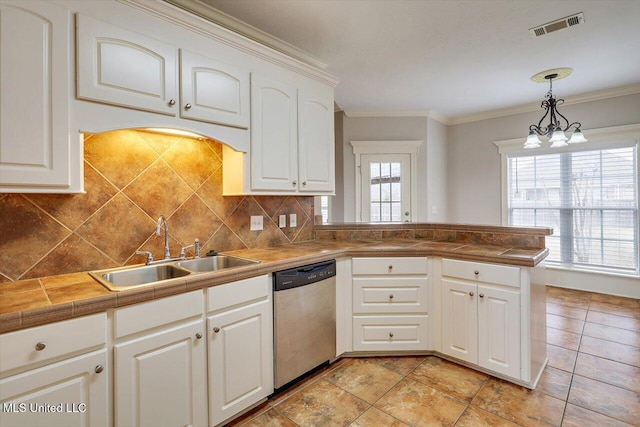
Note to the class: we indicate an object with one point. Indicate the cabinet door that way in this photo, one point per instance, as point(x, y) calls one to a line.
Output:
point(459, 320)
point(274, 135)
point(35, 45)
point(160, 379)
point(316, 140)
point(76, 388)
point(240, 359)
point(499, 330)
point(214, 92)
point(120, 67)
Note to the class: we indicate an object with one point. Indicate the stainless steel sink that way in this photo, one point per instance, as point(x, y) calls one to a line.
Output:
point(125, 278)
point(202, 265)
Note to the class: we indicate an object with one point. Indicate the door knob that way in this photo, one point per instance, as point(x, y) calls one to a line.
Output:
point(187, 106)
point(481, 295)
point(471, 294)
point(40, 346)
point(216, 329)
point(172, 102)
point(99, 369)
point(198, 335)
point(390, 334)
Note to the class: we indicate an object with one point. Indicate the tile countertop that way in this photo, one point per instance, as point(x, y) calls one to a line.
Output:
point(35, 302)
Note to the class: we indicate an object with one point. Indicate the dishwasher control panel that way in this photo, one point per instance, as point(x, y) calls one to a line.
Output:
point(305, 275)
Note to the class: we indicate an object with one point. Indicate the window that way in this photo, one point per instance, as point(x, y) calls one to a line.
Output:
point(385, 184)
point(589, 197)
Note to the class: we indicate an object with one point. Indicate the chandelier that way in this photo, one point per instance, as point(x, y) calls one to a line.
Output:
point(558, 124)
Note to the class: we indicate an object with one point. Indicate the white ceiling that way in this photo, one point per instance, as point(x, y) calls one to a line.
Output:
point(454, 58)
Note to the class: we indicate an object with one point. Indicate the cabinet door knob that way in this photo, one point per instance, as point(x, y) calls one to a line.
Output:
point(40, 346)
point(99, 369)
point(481, 295)
point(391, 296)
point(198, 335)
point(476, 272)
point(304, 183)
point(172, 102)
point(390, 334)
point(471, 294)
point(294, 183)
point(216, 329)
point(187, 106)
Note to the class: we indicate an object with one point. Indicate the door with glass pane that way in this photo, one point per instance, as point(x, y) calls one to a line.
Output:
point(386, 187)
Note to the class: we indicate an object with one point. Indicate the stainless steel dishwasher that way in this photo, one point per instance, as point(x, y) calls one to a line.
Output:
point(304, 315)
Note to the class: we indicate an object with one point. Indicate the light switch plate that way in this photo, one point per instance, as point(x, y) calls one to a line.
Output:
point(282, 221)
point(256, 222)
point(293, 221)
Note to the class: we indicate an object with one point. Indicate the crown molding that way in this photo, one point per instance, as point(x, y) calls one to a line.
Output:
point(527, 108)
point(387, 113)
point(201, 25)
point(227, 21)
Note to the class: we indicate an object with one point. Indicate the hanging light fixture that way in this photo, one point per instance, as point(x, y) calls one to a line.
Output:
point(558, 124)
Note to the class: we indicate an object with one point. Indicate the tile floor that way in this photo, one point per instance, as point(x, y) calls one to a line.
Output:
point(593, 379)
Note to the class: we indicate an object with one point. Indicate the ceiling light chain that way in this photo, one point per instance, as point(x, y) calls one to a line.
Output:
point(555, 130)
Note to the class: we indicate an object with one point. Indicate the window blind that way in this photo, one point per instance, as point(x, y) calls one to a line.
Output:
point(589, 197)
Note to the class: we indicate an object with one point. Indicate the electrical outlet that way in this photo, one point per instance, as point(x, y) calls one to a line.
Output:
point(256, 222)
point(283, 221)
point(293, 221)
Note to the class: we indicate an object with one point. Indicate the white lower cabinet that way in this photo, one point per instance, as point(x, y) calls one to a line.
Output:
point(390, 304)
point(481, 321)
point(56, 374)
point(240, 332)
point(160, 370)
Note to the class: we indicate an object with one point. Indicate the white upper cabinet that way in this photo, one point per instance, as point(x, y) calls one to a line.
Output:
point(274, 135)
point(212, 91)
point(35, 139)
point(316, 140)
point(121, 67)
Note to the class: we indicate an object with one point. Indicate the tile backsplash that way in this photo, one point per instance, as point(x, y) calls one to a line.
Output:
point(131, 178)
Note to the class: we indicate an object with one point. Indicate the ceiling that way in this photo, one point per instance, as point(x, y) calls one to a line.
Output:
point(456, 59)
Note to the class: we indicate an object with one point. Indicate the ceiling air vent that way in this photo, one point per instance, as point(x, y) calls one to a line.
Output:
point(559, 24)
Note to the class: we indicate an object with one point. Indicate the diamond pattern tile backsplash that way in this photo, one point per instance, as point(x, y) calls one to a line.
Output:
point(131, 178)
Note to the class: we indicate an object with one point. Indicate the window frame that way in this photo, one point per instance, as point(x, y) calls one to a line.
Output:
point(602, 138)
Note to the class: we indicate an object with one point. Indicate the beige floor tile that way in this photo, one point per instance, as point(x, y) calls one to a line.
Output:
point(629, 323)
point(418, 404)
point(566, 311)
point(244, 418)
point(561, 358)
point(376, 418)
point(618, 310)
point(616, 300)
point(563, 339)
point(364, 378)
point(605, 399)
point(608, 371)
point(565, 323)
point(609, 333)
point(611, 350)
point(568, 297)
point(400, 364)
point(518, 404)
point(476, 417)
point(305, 382)
point(555, 382)
point(270, 418)
point(451, 378)
point(575, 416)
point(322, 404)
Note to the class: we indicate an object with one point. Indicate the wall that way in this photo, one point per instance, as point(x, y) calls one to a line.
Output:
point(396, 128)
point(336, 203)
point(131, 178)
point(436, 166)
point(473, 175)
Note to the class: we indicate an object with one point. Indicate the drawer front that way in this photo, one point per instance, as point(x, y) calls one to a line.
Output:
point(389, 333)
point(148, 315)
point(390, 295)
point(389, 266)
point(52, 342)
point(482, 272)
point(240, 292)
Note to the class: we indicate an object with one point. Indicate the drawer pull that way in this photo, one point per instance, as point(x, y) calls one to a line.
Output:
point(40, 346)
point(216, 329)
point(99, 369)
point(390, 267)
point(391, 296)
point(471, 294)
point(390, 334)
point(198, 335)
point(481, 295)
point(476, 272)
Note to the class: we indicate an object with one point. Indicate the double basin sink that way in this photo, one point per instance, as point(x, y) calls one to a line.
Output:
point(118, 279)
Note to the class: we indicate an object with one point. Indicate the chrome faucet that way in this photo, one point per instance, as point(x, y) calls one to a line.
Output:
point(163, 221)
